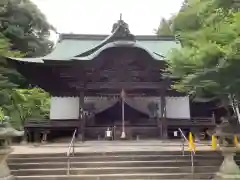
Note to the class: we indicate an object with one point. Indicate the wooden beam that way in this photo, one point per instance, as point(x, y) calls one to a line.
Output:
point(120, 85)
point(81, 128)
point(163, 114)
point(140, 73)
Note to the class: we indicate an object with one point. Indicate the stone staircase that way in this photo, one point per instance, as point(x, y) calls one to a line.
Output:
point(115, 166)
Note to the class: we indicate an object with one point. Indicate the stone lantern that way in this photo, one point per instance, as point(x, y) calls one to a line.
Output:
point(226, 131)
point(6, 134)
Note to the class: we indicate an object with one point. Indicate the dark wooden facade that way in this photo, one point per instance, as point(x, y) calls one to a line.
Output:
point(122, 66)
point(114, 69)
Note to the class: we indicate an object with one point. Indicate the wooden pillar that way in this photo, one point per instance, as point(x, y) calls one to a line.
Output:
point(44, 136)
point(36, 136)
point(81, 127)
point(159, 124)
point(163, 115)
point(123, 134)
point(25, 137)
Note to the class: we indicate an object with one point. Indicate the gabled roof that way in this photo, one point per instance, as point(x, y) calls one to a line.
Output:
point(158, 47)
point(87, 46)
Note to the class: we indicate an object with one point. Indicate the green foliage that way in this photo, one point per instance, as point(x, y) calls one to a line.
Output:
point(208, 62)
point(188, 18)
point(164, 28)
point(23, 28)
point(23, 104)
point(1, 114)
point(24, 31)
point(26, 27)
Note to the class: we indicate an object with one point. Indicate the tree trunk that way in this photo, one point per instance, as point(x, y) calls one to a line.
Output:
point(238, 113)
point(235, 107)
point(225, 102)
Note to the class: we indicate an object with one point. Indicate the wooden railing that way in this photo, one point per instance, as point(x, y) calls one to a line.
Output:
point(74, 123)
point(192, 121)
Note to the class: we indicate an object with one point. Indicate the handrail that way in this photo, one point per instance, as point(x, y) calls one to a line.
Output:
point(71, 151)
point(192, 150)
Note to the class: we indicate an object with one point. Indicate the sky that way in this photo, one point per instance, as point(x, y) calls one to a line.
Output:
point(98, 16)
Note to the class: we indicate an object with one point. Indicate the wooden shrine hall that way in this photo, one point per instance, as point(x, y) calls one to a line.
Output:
point(98, 82)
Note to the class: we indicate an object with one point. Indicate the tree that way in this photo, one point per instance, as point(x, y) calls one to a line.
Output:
point(6, 86)
point(207, 63)
point(24, 31)
point(33, 103)
point(26, 103)
point(164, 28)
point(26, 27)
point(5, 50)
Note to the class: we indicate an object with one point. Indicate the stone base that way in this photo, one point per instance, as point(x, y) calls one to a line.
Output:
point(5, 173)
point(24, 142)
point(123, 135)
point(229, 170)
point(79, 137)
point(9, 178)
point(221, 176)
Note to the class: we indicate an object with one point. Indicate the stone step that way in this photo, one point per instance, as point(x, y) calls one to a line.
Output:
point(141, 165)
point(139, 176)
point(169, 153)
point(112, 158)
point(178, 163)
point(114, 170)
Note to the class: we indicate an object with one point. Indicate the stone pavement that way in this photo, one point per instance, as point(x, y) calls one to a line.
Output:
point(107, 146)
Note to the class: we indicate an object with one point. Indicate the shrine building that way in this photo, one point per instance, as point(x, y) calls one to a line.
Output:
point(112, 81)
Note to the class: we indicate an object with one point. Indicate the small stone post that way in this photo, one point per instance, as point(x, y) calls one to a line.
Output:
point(229, 170)
point(4, 170)
point(226, 131)
point(24, 140)
point(6, 133)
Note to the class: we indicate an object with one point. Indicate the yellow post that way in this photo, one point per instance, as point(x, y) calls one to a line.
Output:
point(235, 140)
point(214, 142)
point(192, 146)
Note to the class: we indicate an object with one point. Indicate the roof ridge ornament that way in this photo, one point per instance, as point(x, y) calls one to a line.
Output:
point(120, 24)
point(120, 30)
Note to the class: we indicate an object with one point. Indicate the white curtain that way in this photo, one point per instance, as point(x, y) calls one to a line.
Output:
point(142, 104)
point(178, 107)
point(101, 103)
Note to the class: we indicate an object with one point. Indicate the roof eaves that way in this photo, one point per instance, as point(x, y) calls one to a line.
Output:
point(29, 60)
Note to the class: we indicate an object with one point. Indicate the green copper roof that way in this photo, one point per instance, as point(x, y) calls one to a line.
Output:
point(87, 47)
point(69, 48)
point(130, 44)
point(71, 45)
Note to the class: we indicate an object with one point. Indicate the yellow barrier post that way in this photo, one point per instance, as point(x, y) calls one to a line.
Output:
point(214, 142)
point(192, 146)
point(235, 140)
